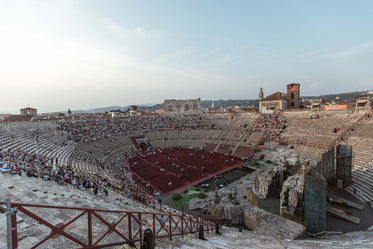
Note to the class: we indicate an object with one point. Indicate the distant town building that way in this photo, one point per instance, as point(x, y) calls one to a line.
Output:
point(316, 103)
point(4, 116)
point(293, 96)
point(261, 94)
point(134, 113)
point(281, 101)
point(27, 114)
point(29, 111)
point(363, 101)
point(116, 113)
point(182, 106)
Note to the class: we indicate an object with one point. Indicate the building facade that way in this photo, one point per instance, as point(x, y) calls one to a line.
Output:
point(182, 106)
point(281, 101)
point(29, 112)
point(293, 98)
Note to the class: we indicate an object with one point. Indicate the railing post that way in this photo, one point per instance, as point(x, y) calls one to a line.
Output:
point(169, 222)
point(140, 229)
point(154, 219)
point(182, 225)
point(130, 226)
point(89, 228)
point(14, 229)
point(191, 224)
point(9, 223)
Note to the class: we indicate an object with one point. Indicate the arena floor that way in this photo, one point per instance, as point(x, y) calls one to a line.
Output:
point(172, 170)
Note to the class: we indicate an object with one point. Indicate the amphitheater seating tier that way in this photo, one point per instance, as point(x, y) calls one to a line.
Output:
point(361, 140)
point(300, 126)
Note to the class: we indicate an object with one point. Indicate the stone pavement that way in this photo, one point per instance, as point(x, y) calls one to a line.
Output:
point(231, 238)
point(36, 191)
point(31, 190)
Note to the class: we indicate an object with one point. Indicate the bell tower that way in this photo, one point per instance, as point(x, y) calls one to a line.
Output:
point(293, 96)
point(260, 94)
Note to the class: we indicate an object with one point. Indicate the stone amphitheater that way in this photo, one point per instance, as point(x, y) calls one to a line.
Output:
point(133, 208)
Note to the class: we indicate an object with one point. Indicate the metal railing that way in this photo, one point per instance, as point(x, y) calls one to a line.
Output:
point(128, 226)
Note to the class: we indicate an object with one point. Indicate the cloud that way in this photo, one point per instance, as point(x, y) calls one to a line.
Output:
point(139, 31)
point(314, 85)
point(311, 56)
point(362, 48)
point(175, 55)
point(211, 52)
point(225, 59)
point(87, 60)
point(127, 34)
point(114, 28)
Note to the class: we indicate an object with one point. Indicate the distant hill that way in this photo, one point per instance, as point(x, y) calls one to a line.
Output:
point(341, 96)
point(227, 103)
point(115, 107)
point(230, 102)
point(99, 109)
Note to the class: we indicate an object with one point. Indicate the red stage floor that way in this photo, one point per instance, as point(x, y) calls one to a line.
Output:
point(172, 170)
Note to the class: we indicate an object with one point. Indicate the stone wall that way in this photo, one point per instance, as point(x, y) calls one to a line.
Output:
point(262, 222)
point(268, 182)
point(326, 167)
point(182, 106)
point(292, 192)
point(234, 213)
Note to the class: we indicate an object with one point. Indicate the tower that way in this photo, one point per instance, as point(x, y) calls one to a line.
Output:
point(293, 96)
point(260, 94)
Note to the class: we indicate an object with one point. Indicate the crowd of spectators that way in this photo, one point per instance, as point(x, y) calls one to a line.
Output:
point(93, 130)
point(271, 124)
point(17, 162)
point(85, 131)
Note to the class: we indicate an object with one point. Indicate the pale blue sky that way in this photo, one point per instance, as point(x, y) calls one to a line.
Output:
point(75, 54)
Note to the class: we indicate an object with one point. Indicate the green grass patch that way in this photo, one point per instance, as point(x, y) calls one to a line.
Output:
point(202, 195)
point(195, 189)
point(259, 166)
point(176, 196)
point(185, 198)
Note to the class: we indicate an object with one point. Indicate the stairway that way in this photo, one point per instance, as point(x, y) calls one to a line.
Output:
point(299, 214)
point(136, 144)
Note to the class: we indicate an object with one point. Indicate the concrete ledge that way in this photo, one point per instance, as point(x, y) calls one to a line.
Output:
point(265, 223)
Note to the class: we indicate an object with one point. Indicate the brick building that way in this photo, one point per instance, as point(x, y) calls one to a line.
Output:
point(293, 98)
point(281, 101)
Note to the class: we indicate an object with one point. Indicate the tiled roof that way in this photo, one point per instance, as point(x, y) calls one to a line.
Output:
point(28, 108)
point(275, 96)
